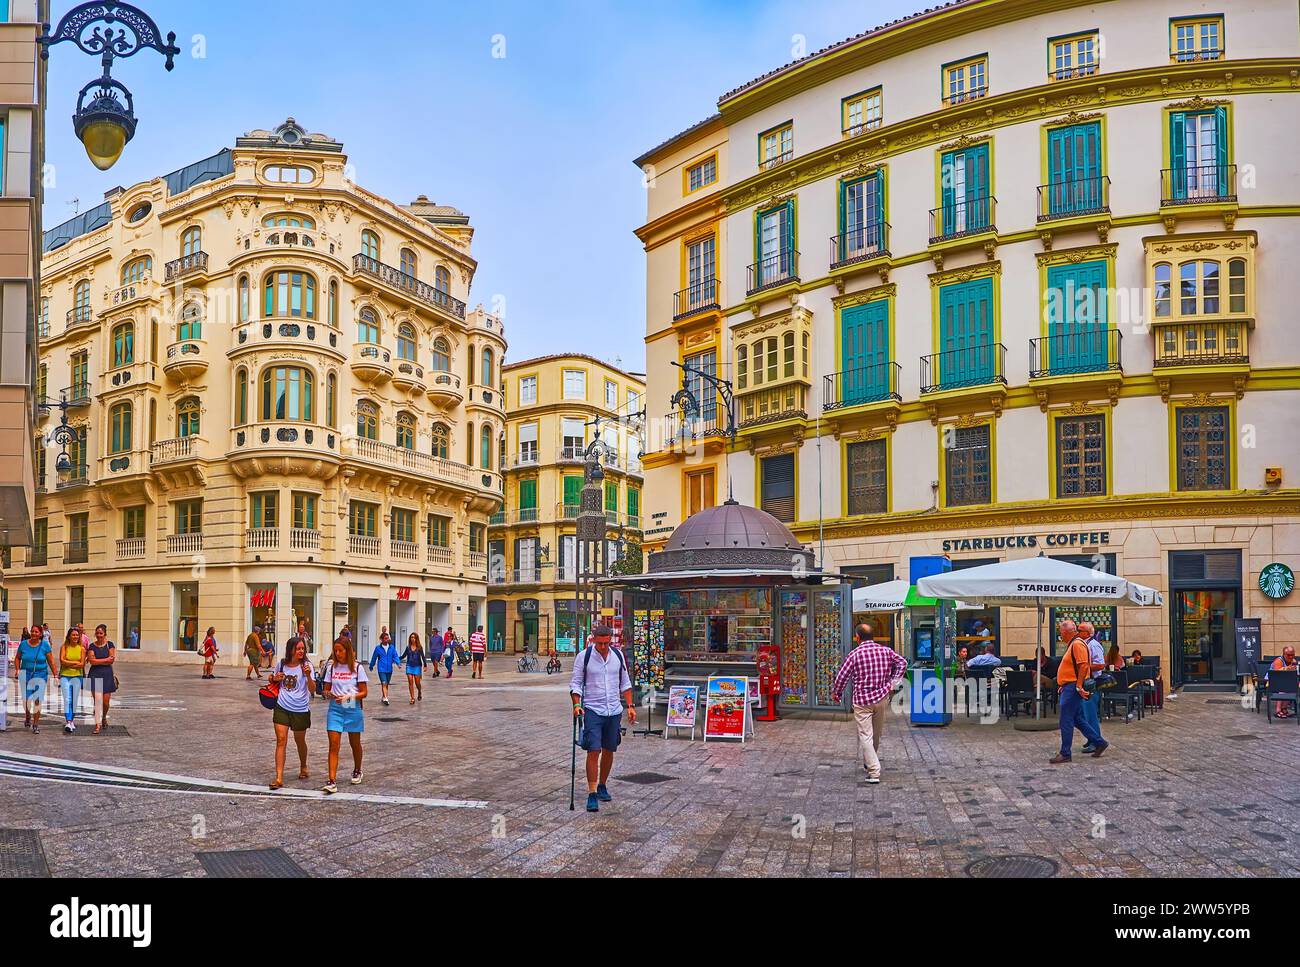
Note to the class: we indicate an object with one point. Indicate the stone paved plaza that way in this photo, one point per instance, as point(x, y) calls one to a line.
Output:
point(1203, 788)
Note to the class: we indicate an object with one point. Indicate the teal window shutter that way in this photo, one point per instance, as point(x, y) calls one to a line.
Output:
point(966, 333)
point(1178, 155)
point(864, 353)
point(1221, 149)
point(878, 210)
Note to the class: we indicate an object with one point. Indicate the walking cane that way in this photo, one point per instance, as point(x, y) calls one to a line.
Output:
point(573, 774)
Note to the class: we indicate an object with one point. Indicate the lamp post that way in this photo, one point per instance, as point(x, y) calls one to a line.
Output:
point(62, 434)
point(685, 400)
point(104, 123)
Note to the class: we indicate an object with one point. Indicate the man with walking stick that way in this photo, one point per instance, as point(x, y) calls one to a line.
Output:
point(600, 689)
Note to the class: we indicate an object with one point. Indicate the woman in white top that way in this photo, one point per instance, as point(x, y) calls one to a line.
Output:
point(346, 685)
point(293, 707)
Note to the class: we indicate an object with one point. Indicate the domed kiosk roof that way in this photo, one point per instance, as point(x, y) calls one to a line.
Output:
point(731, 535)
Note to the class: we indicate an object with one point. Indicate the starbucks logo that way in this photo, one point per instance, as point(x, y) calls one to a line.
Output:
point(1276, 581)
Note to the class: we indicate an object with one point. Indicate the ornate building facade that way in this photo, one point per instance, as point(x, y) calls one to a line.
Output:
point(285, 414)
point(998, 278)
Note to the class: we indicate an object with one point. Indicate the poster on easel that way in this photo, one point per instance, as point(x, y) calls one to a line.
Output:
point(726, 707)
point(682, 702)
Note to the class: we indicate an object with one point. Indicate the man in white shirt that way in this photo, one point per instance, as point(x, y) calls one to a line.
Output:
point(600, 689)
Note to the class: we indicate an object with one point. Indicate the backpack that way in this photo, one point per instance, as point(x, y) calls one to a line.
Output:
point(320, 676)
point(269, 694)
point(586, 660)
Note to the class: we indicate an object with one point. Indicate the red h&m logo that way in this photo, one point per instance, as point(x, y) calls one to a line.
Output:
point(265, 598)
point(404, 594)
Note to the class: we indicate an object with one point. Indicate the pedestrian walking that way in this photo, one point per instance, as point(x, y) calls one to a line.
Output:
point(210, 652)
point(102, 680)
point(253, 652)
point(268, 646)
point(346, 686)
point(1071, 680)
point(874, 670)
point(33, 669)
point(436, 649)
point(1091, 709)
point(292, 707)
point(600, 689)
point(477, 651)
point(415, 661)
point(450, 647)
point(72, 675)
point(385, 656)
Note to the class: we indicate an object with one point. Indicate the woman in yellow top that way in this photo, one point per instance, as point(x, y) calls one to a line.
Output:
point(72, 671)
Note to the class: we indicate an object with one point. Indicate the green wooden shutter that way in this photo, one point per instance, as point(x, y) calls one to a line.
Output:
point(527, 494)
point(864, 352)
point(1178, 155)
point(633, 502)
point(1221, 149)
point(966, 333)
point(611, 495)
point(1077, 317)
point(572, 491)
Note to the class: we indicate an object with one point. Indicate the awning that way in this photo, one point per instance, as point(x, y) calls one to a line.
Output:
point(1034, 581)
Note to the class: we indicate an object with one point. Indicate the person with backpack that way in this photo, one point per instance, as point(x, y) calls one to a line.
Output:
point(436, 649)
point(209, 652)
point(292, 707)
point(346, 685)
point(253, 652)
point(385, 656)
point(415, 661)
point(600, 689)
point(477, 651)
point(450, 648)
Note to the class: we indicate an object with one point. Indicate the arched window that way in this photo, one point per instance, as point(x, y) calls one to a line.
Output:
point(406, 342)
point(187, 417)
point(135, 270)
point(442, 355)
point(787, 353)
point(241, 397)
point(441, 440)
point(245, 298)
point(287, 393)
point(191, 324)
point(290, 294)
point(367, 326)
point(370, 245)
point(123, 344)
point(1198, 287)
point(285, 220)
point(469, 444)
point(442, 279)
point(81, 300)
point(485, 447)
point(408, 262)
point(119, 418)
point(1163, 277)
point(367, 420)
point(334, 304)
point(486, 374)
point(742, 366)
point(191, 241)
point(406, 431)
point(331, 400)
point(1237, 285)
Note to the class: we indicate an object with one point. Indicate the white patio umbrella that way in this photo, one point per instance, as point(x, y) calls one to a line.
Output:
point(1042, 582)
point(889, 596)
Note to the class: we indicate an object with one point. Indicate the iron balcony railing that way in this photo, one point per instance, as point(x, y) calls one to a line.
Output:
point(77, 477)
point(183, 266)
point(410, 284)
point(1074, 353)
point(78, 394)
point(968, 216)
point(773, 161)
point(1198, 184)
point(959, 368)
point(1201, 344)
point(38, 556)
point(961, 97)
point(860, 244)
point(853, 130)
point(1079, 70)
point(700, 297)
point(679, 429)
point(80, 316)
point(866, 384)
point(1191, 56)
point(1074, 196)
point(43, 330)
point(773, 271)
point(564, 511)
point(76, 552)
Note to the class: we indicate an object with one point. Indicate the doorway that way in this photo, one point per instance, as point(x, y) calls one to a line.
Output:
point(526, 633)
point(1203, 642)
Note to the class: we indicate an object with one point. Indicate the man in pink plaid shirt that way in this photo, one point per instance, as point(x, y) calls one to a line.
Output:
point(875, 671)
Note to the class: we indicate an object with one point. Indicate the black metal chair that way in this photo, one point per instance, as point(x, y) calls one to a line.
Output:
point(1261, 672)
point(1126, 692)
point(1142, 678)
point(980, 674)
point(1283, 687)
point(1019, 691)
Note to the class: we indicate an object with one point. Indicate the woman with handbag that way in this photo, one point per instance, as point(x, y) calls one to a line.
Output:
point(209, 652)
point(292, 678)
point(346, 685)
point(415, 662)
point(103, 683)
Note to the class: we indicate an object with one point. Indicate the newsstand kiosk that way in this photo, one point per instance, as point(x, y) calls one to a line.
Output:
point(929, 630)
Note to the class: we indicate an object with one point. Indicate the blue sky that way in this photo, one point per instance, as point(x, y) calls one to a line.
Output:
point(536, 147)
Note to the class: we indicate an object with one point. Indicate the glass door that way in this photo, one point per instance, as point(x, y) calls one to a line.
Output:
point(1202, 635)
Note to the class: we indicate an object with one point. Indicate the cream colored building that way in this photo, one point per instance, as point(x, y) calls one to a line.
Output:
point(1005, 277)
point(286, 412)
point(556, 406)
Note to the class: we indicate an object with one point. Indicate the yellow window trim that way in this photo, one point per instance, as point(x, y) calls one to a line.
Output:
point(1053, 417)
point(1184, 404)
point(852, 99)
point(687, 169)
point(1196, 23)
point(845, 443)
point(948, 69)
point(992, 424)
point(1073, 40)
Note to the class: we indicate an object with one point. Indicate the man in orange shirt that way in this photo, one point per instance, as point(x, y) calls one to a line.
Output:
point(1072, 679)
point(1284, 663)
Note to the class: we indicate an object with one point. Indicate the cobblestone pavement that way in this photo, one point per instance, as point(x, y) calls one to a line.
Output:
point(1203, 788)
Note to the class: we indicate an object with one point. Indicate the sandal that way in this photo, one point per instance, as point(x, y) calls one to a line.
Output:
point(277, 784)
point(304, 774)
point(96, 732)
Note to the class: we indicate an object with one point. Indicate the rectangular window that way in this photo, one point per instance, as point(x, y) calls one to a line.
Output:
point(774, 233)
point(1081, 456)
point(1204, 435)
point(439, 531)
point(968, 462)
point(702, 174)
point(527, 389)
point(363, 519)
point(777, 486)
point(132, 523)
point(1074, 170)
point(705, 395)
point(402, 525)
point(611, 395)
point(701, 491)
point(130, 616)
point(966, 351)
point(78, 549)
point(476, 533)
point(264, 510)
point(528, 443)
point(862, 112)
point(1074, 56)
point(1199, 167)
point(304, 512)
point(776, 146)
point(189, 517)
point(573, 437)
point(40, 537)
point(575, 384)
point(1196, 38)
point(76, 606)
point(966, 81)
point(868, 477)
point(862, 205)
point(611, 496)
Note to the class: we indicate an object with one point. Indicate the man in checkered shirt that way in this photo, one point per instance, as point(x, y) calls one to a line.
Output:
point(875, 671)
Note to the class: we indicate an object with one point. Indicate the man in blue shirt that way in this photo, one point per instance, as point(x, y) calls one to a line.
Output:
point(436, 647)
point(985, 658)
point(600, 689)
point(385, 655)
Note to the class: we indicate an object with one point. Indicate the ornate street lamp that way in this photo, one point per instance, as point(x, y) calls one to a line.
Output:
point(63, 434)
point(104, 123)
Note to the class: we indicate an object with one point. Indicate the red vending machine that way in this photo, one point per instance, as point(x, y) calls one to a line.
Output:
point(769, 680)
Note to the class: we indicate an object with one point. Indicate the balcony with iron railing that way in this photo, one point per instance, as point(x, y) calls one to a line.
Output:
point(775, 160)
point(130, 548)
point(525, 458)
point(860, 245)
point(78, 394)
point(861, 386)
point(982, 365)
point(43, 330)
point(409, 285)
point(184, 543)
point(79, 316)
point(1198, 185)
point(694, 299)
point(1193, 56)
point(78, 476)
point(1078, 70)
point(853, 130)
point(38, 555)
point(787, 401)
point(1209, 343)
point(1075, 353)
point(773, 271)
point(197, 263)
point(679, 430)
point(963, 219)
point(76, 552)
point(565, 511)
point(1074, 198)
point(953, 98)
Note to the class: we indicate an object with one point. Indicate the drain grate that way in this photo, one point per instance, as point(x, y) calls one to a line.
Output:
point(646, 778)
point(389, 718)
point(21, 854)
point(250, 864)
point(1013, 867)
point(116, 731)
point(1222, 701)
point(1241, 738)
point(508, 709)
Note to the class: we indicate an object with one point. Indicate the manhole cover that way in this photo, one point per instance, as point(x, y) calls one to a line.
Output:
point(646, 778)
point(246, 864)
point(21, 854)
point(1014, 867)
point(505, 710)
point(118, 731)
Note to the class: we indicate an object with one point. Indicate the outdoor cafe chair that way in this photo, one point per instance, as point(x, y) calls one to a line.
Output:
point(1019, 691)
point(1124, 693)
point(1261, 672)
point(980, 675)
point(1282, 687)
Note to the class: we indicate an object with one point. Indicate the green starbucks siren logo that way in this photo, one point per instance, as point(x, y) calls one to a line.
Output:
point(1276, 581)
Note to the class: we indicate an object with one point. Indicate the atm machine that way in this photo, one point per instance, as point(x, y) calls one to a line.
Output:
point(929, 631)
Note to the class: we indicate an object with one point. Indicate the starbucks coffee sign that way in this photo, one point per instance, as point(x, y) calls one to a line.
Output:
point(1276, 581)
